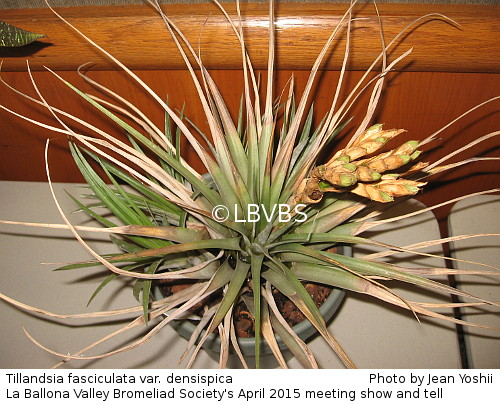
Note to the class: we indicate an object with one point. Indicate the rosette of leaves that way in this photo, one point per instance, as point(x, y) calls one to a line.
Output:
point(266, 157)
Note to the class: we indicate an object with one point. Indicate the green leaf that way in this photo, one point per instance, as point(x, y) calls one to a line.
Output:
point(326, 238)
point(11, 36)
point(230, 297)
point(147, 194)
point(124, 245)
point(292, 342)
point(111, 277)
point(81, 265)
point(281, 277)
point(256, 268)
point(92, 213)
point(146, 288)
point(226, 244)
point(371, 268)
point(172, 161)
point(231, 135)
point(127, 213)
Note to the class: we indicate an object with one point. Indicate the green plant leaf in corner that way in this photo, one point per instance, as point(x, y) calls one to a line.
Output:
point(12, 36)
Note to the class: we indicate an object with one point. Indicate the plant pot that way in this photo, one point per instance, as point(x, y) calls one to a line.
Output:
point(304, 329)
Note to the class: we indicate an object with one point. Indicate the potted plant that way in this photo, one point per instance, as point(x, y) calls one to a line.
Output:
point(267, 218)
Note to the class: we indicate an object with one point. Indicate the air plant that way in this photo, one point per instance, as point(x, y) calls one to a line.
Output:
point(169, 224)
point(11, 36)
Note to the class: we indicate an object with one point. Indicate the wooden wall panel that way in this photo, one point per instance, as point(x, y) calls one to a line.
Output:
point(441, 81)
point(420, 102)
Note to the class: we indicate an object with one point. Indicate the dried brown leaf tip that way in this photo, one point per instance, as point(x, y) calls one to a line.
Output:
point(350, 170)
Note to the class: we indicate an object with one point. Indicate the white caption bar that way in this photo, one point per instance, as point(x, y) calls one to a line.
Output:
point(249, 386)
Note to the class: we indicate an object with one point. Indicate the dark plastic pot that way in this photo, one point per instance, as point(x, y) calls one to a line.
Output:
point(303, 329)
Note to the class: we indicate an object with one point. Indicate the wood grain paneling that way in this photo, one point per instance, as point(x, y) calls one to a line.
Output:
point(420, 102)
point(435, 87)
point(137, 36)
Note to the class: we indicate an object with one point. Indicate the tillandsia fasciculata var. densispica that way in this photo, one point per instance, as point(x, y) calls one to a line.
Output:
point(265, 215)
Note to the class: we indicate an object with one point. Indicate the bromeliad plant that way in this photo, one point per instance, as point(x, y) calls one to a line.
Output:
point(11, 36)
point(265, 217)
